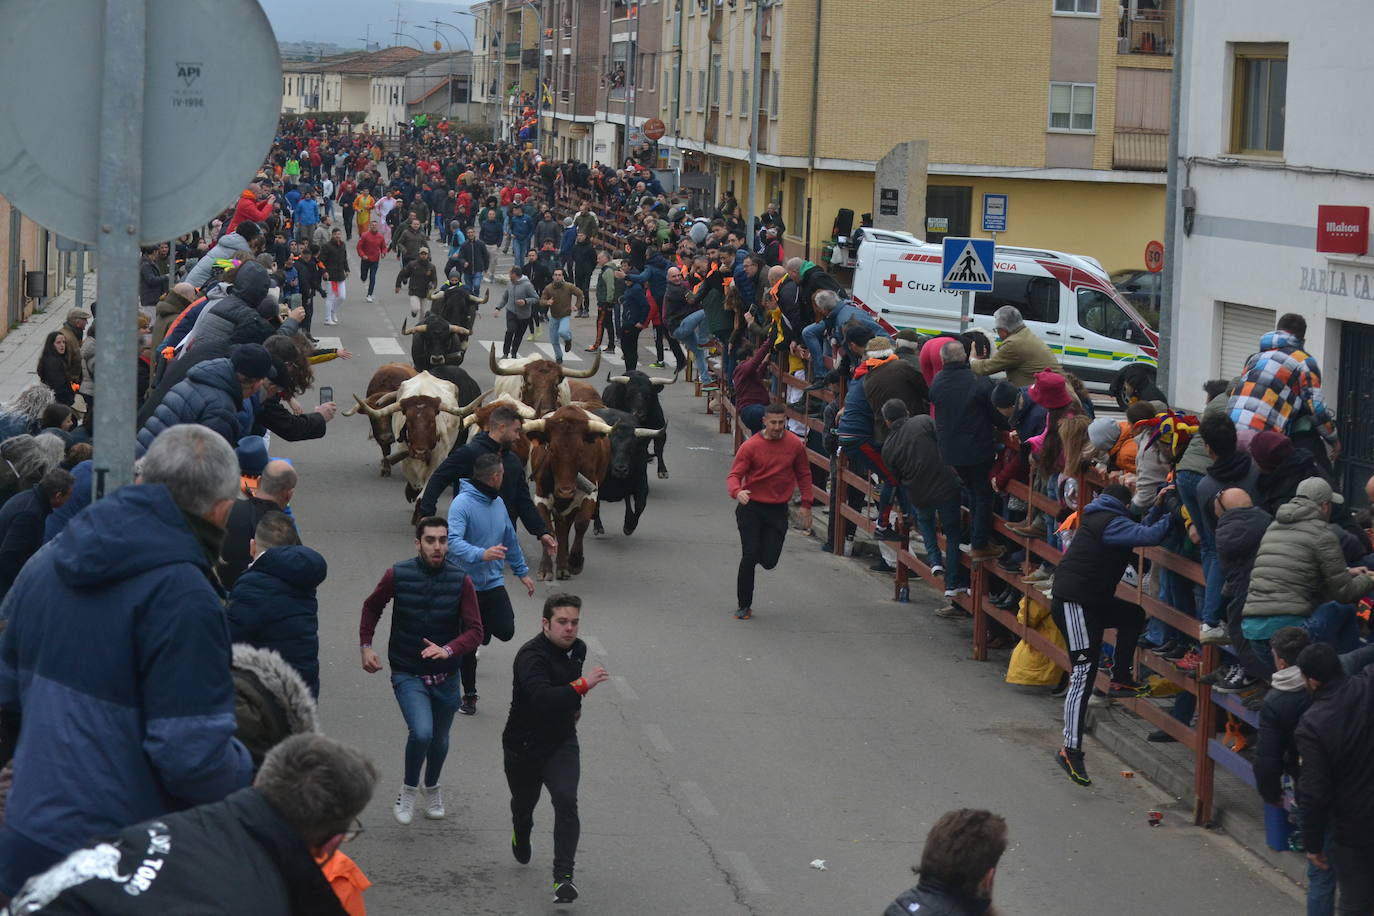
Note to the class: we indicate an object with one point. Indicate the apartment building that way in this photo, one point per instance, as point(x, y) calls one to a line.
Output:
point(32, 269)
point(373, 83)
point(1062, 105)
point(1274, 211)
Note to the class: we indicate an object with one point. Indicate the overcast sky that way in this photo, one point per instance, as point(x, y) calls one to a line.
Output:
point(345, 22)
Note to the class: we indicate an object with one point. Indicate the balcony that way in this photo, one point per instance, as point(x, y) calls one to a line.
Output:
point(512, 50)
point(1147, 27)
point(1140, 151)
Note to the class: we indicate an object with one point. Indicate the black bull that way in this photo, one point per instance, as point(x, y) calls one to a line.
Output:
point(627, 472)
point(637, 394)
point(437, 346)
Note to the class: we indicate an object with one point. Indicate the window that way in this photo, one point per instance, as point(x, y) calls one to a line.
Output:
point(701, 90)
point(1071, 106)
point(715, 80)
point(730, 91)
point(1078, 7)
point(1036, 297)
point(797, 219)
point(687, 94)
point(744, 93)
point(773, 99)
point(1259, 98)
point(763, 92)
point(1099, 313)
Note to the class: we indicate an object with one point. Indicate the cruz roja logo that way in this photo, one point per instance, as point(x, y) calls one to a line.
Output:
point(188, 72)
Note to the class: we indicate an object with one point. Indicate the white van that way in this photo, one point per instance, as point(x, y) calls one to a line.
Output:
point(1066, 300)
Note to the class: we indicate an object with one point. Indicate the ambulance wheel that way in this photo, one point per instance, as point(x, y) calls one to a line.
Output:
point(1136, 373)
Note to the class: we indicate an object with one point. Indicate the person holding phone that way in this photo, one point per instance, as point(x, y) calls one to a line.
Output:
point(435, 621)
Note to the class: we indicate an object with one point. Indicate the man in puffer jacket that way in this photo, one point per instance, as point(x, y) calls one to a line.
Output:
point(958, 866)
point(212, 395)
point(1281, 389)
point(1300, 577)
point(273, 604)
point(230, 245)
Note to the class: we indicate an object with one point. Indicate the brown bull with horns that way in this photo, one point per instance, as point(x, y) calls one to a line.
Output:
point(543, 383)
point(567, 463)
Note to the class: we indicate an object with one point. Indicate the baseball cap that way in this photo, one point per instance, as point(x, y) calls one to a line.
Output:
point(1319, 491)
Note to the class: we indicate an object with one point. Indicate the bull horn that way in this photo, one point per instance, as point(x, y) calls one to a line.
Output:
point(526, 411)
point(645, 433)
point(532, 426)
point(476, 402)
point(663, 381)
point(622, 379)
point(577, 373)
point(352, 410)
point(459, 329)
point(598, 427)
point(486, 294)
point(454, 411)
point(497, 368)
point(418, 329)
point(373, 412)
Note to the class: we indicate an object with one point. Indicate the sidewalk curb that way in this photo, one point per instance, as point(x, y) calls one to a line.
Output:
point(20, 348)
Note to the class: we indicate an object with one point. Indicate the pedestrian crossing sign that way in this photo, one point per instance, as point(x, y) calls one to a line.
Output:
point(967, 264)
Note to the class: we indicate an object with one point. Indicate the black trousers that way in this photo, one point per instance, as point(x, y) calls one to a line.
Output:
point(515, 332)
point(346, 214)
point(1082, 626)
point(498, 620)
point(660, 334)
point(560, 772)
point(629, 346)
point(762, 529)
point(368, 272)
point(1354, 879)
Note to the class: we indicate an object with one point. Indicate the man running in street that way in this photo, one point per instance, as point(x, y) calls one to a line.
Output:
point(540, 739)
point(767, 469)
point(482, 540)
point(435, 623)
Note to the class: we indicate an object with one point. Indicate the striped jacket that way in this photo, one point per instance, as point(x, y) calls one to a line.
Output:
point(1279, 384)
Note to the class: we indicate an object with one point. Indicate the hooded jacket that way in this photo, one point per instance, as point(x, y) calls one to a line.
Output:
point(1103, 547)
point(21, 532)
point(1279, 384)
point(913, 454)
point(1281, 484)
point(1299, 565)
point(477, 521)
point(239, 528)
point(248, 207)
point(813, 279)
point(900, 379)
point(1238, 470)
point(273, 606)
point(515, 487)
point(229, 245)
point(144, 723)
point(168, 308)
point(234, 318)
point(1238, 535)
point(210, 395)
point(234, 856)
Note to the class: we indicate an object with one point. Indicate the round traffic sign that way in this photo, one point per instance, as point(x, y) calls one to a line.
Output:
point(209, 111)
point(1154, 257)
point(654, 129)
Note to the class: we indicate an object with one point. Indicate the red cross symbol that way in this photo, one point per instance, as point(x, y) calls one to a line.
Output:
point(892, 284)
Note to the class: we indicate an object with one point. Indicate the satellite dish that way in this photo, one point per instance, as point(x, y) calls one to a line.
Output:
point(210, 110)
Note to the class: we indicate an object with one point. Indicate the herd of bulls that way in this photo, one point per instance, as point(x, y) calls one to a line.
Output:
point(581, 447)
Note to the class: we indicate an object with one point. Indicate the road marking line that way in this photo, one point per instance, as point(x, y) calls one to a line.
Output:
point(385, 346)
point(548, 351)
point(746, 873)
point(329, 343)
point(698, 798)
point(623, 686)
point(658, 739)
point(594, 645)
point(612, 358)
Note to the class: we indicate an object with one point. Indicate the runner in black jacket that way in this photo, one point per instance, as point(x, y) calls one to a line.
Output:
point(540, 740)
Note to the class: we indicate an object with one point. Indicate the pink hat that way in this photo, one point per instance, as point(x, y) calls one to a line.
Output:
point(1050, 390)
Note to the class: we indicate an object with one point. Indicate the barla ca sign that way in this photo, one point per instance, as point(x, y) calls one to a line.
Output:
point(1342, 230)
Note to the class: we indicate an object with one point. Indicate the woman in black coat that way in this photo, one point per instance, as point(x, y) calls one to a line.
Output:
point(52, 368)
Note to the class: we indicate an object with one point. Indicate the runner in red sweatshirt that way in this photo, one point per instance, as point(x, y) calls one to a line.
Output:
point(767, 469)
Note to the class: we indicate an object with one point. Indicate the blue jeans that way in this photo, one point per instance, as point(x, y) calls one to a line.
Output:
point(1321, 885)
point(690, 333)
point(1213, 603)
point(559, 328)
point(952, 521)
point(428, 712)
point(473, 282)
point(813, 335)
point(752, 417)
point(981, 499)
point(521, 248)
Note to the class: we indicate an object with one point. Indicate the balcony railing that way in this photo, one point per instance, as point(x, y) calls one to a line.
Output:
point(512, 50)
point(1147, 32)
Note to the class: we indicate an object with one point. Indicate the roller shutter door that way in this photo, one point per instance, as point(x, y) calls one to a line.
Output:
point(1242, 326)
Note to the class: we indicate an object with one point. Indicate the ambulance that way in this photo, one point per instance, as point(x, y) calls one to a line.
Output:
point(1065, 299)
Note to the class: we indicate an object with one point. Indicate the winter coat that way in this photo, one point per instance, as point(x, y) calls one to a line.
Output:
point(477, 521)
point(521, 227)
point(335, 261)
point(144, 724)
point(677, 304)
point(520, 297)
point(490, 232)
point(472, 257)
point(1336, 745)
point(152, 283)
point(1281, 484)
point(1195, 457)
point(80, 499)
point(654, 276)
point(1299, 565)
point(965, 417)
point(275, 416)
point(408, 242)
point(856, 423)
point(230, 245)
point(515, 487)
point(1103, 547)
point(932, 898)
point(234, 318)
point(912, 452)
point(168, 308)
point(210, 395)
point(1028, 665)
point(273, 606)
point(239, 529)
point(21, 533)
point(544, 706)
point(814, 279)
point(1280, 384)
point(1151, 469)
point(420, 276)
point(237, 855)
point(898, 379)
point(88, 367)
point(1020, 356)
point(583, 263)
point(548, 230)
point(52, 371)
point(248, 207)
point(1238, 534)
point(1239, 470)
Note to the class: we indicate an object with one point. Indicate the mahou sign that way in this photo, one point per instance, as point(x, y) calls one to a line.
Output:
point(1342, 230)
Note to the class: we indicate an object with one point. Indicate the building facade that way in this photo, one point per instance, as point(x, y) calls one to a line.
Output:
point(1062, 105)
point(32, 270)
point(374, 83)
point(1267, 142)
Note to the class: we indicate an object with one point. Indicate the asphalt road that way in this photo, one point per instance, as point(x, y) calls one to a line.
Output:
point(725, 756)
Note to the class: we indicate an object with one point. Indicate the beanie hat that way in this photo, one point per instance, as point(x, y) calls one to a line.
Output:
point(1050, 390)
point(1004, 395)
point(252, 361)
point(252, 455)
point(1269, 449)
point(1103, 433)
point(878, 347)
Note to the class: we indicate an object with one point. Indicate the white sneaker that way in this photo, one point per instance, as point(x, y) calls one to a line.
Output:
point(404, 809)
point(369, 298)
point(952, 592)
point(1217, 635)
point(433, 797)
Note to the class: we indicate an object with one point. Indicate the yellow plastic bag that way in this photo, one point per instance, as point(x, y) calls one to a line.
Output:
point(1028, 665)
